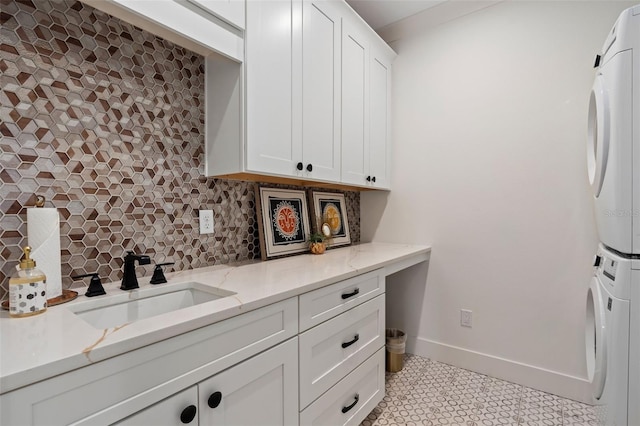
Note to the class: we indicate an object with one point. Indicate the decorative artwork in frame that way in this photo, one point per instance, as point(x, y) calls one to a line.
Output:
point(329, 208)
point(284, 225)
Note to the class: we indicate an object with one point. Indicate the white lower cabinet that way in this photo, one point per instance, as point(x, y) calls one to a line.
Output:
point(261, 391)
point(341, 351)
point(112, 390)
point(334, 348)
point(315, 359)
point(352, 398)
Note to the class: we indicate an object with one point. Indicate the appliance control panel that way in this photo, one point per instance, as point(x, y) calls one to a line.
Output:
point(610, 267)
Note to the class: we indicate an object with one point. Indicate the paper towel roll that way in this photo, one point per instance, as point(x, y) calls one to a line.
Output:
point(43, 233)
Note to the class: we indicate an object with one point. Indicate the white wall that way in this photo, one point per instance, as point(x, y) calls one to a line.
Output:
point(489, 116)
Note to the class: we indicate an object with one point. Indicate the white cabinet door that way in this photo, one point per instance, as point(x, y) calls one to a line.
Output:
point(273, 84)
point(355, 104)
point(262, 391)
point(177, 409)
point(321, 90)
point(379, 134)
point(231, 11)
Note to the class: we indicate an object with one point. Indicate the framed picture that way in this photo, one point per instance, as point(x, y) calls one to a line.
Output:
point(284, 226)
point(330, 208)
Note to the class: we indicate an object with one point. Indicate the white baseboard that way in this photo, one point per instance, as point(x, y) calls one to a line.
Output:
point(531, 376)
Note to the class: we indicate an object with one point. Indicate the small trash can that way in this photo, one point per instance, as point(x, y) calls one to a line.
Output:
point(396, 340)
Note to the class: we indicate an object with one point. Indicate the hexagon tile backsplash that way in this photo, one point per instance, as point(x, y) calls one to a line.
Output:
point(107, 121)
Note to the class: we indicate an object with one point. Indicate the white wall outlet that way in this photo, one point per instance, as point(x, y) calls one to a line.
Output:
point(206, 222)
point(466, 318)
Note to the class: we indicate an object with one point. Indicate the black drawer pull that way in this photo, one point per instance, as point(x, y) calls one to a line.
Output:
point(188, 414)
point(347, 344)
point(309, 167)
point(214, 399)
point(349, 407)
point(353, 293)
point(299, 166)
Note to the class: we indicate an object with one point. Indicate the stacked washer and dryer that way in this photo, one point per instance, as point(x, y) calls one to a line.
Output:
point(613, 300)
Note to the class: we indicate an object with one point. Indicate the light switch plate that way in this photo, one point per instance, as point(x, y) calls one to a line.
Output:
point(206, 222)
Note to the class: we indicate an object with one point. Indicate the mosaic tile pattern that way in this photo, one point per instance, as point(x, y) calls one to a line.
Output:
point(106, 121)
point(428, 393)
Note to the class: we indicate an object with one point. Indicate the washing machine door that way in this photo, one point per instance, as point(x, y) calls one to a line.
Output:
point(598, 132)
point(595, 338)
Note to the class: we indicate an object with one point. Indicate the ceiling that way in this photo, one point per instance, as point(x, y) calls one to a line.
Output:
point(380, 13)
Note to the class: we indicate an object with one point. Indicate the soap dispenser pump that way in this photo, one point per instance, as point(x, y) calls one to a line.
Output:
point(27, 289)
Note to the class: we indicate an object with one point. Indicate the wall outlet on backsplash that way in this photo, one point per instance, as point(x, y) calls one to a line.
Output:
point(206, 222)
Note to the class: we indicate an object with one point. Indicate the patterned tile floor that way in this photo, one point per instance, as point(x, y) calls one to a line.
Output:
point(427, 392)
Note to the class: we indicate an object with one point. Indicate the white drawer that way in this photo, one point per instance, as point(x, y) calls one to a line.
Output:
point(339, 406)
point(327, 302)
point(333, 349)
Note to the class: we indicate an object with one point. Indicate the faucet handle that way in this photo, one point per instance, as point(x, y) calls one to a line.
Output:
point(95, 285)
point(158, 275)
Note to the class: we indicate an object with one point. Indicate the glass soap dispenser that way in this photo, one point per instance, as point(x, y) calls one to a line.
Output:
point(27, 289)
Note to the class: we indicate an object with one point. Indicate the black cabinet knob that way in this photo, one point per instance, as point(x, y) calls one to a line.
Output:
point(299, 166)
point(188, 414)
point(368, 178)
point(215, 399)
point(373, 179)
point(309, 167)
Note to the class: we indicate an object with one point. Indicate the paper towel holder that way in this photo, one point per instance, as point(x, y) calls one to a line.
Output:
point(95, 286)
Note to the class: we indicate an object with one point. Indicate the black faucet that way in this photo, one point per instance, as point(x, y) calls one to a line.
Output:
point(129, 279)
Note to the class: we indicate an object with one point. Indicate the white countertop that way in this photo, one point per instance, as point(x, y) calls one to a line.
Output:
point(58, 341)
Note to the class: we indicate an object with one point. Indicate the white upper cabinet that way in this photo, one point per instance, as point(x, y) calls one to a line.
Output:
point(321, 90)
point(231, 11)
point(293, 89)
point(379, 117)
point(355, 101)
point(316, 94)
point(366, 90)
point(273, 142)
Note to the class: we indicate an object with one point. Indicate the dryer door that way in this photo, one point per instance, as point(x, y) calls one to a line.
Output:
point(595, 338)
point(598, 132)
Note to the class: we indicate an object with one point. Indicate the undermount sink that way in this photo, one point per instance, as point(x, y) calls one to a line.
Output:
point(144, 303)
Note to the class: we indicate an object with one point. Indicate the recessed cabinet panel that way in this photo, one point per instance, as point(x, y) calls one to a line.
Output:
point(272, 145)
point(325, 303)
point(339, 406)
point(178, 409)
point(379, 90)
point(331, 350)
point(321, 89)
point(355, 101)
point(260, 391)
